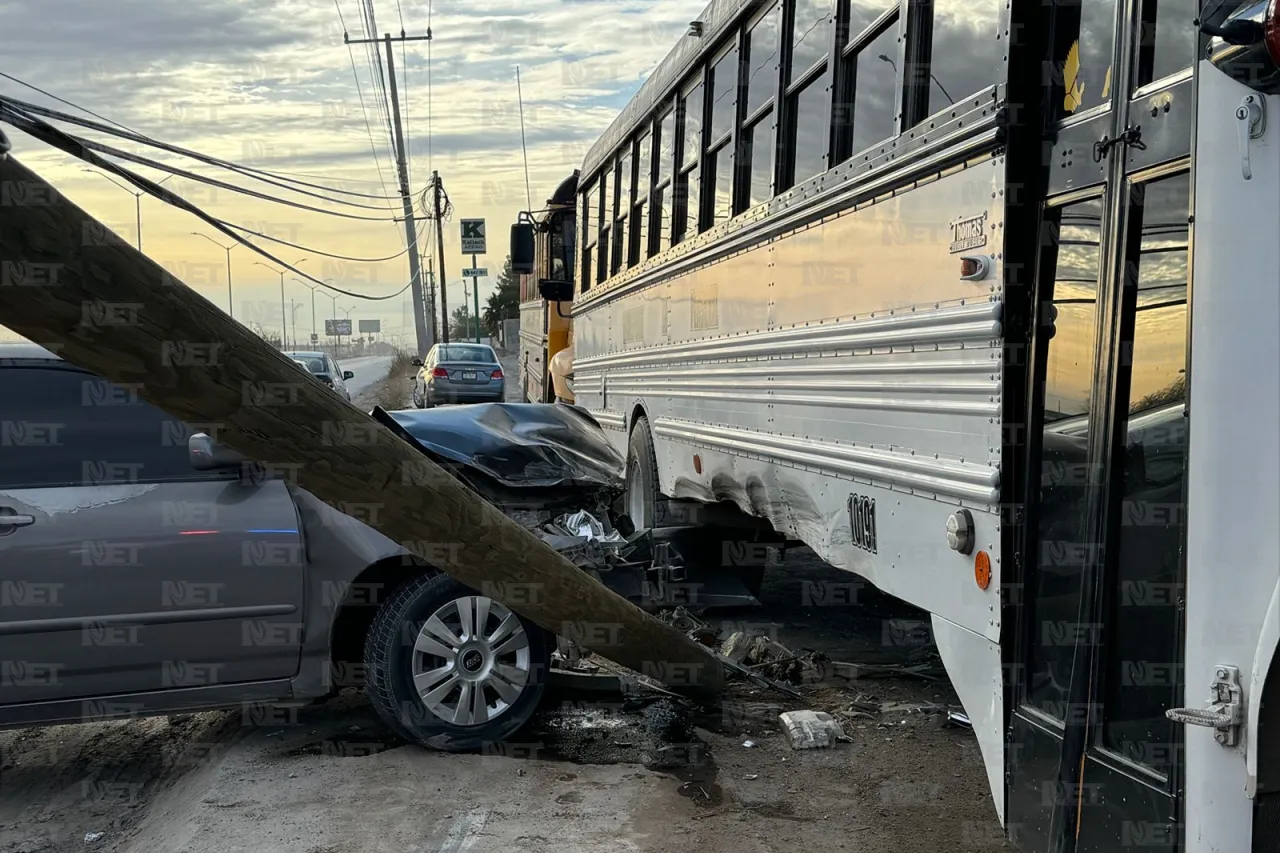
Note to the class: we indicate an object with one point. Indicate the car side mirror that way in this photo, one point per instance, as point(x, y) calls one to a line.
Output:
point(415, 361)
point(555, 291)
point(522, 248)
point(207, 455)
point(347, 374)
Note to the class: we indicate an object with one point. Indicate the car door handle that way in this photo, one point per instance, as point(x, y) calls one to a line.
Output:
point(9, 522)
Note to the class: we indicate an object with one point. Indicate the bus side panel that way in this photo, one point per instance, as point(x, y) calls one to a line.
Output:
point(533, 350)
point(841, 380)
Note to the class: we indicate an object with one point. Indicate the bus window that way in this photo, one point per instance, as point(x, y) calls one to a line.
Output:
point(874, 107)
point(590, 218)
point(662, 185)
point(811, 36)
point(762, 73)
point(811, 132)
point(1167, 39)
point(965, 56)
point(687, 197)
point(690, 204)
point(605, 217)
point(759, 152)
point(624, 185)
point(640, 213)
point(1085, 55)
point(724, 90)
point(691, 117)
point(722, 202)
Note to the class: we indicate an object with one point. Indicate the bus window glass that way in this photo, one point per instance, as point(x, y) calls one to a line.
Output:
point(1070, 313)
point(619, 250)
point(644, 167)
point(692, 199)
point(874, 108)
point(640, 233)
point(587, 269)
point(1167, 40)
point(722, 203)
point(590, 215)
point(1144, 629)
point(623, 184)
point(1086, 59)
point(662, 207)
point(605, 211)
point(966, 56)
point(724, 88)
point(692, 125)
point(863, 13)
point(759, 148)
point(666, 147)
point(812, 130)
point(762, 48)
point(811, 38)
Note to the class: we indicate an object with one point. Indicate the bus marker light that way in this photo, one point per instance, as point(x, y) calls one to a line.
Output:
point(697, 463)
point(982, 570)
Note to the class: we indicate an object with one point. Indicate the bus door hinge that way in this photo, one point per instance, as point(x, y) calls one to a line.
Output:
point(1226, 707)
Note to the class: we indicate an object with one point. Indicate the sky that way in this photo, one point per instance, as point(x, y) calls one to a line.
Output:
point(270, 84)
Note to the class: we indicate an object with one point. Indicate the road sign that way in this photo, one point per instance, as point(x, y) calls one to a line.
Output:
point(473, 237)
point(337, 327)
point(478, 272)
point(370, 327)
point(315, 339)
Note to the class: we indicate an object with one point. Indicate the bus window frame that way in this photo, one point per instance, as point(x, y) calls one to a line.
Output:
point(680, 200)
point(746, 125)
point(846, 84)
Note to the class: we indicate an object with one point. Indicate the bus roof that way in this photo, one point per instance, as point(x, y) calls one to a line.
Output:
point(715, 19)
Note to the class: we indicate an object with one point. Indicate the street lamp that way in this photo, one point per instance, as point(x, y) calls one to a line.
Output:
point(230, 307)
point(137, 197)
point(935, 79)
point(284, 333)
point(313, 288)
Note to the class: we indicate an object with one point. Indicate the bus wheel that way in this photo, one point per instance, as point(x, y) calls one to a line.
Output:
point(643, 503)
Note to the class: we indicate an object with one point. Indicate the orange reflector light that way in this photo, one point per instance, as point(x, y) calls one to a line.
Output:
point(697, 463)
point(968, 267)
point(982, 569)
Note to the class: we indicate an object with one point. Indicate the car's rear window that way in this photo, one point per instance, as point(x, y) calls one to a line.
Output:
point(477, 355)
point(315, 365)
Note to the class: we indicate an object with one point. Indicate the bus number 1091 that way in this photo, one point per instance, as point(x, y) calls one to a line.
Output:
point(862, 522)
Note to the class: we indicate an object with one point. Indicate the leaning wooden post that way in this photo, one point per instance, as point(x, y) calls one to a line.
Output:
point(69, 283)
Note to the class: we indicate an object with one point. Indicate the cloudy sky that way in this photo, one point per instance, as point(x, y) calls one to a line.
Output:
point(269, 84)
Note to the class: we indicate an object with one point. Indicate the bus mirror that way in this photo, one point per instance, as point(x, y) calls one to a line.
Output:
point(522, 248)
point(555, 291)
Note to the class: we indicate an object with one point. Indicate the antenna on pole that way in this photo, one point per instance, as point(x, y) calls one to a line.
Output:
point(523, 146)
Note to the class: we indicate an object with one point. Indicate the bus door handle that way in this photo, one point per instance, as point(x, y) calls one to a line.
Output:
point(1251, 123)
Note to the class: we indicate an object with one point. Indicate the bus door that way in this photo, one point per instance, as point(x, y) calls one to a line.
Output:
point(1092, 762)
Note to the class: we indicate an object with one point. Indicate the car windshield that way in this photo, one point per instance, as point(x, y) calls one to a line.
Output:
point(471, 354)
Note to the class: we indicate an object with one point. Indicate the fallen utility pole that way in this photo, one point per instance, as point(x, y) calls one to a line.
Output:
point(193, 361)
point(425, 334)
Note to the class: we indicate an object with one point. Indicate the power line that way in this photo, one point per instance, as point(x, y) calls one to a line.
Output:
point(53, 136)
point(360, 92)
point(137, 136)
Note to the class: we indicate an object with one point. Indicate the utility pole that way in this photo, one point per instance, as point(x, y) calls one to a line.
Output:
point(431, 292)
point(444, 277)
point(425, 338)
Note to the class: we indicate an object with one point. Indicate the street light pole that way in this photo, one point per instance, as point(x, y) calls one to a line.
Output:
point(137, 198)
point(284, 318)
point(231, 312)
point(313, 288)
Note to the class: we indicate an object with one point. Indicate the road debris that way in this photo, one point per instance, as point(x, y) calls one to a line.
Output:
point(93, 837)
point(749, 744)
point(810, 729)
point(958, 719)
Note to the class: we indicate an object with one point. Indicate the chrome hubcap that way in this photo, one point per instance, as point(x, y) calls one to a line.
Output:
point(470, 661)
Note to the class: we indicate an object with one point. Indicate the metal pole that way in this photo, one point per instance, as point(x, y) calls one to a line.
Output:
point(137, 206)
point(284, 318)
point(231, 310)
point(444, 276)
point(475, 295)
point(410, 230)
point(314, 333)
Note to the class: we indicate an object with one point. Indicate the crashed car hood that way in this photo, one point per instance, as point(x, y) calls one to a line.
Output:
point(517, 444)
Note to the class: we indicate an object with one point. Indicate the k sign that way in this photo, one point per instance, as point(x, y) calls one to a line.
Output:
point(473, 237)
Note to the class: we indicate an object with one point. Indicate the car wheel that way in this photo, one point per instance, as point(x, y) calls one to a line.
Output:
point(451, 669)
point(416, 397)
point(642, 502)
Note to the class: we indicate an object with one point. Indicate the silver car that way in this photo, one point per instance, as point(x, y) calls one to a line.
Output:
point(458, 373)
point(323, 367)
point(145, 569)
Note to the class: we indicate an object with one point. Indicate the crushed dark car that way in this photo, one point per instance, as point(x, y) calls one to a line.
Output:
point(552, 469)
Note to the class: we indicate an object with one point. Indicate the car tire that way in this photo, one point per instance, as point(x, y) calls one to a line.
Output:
point(415, 397)
point(642, 502)
point(506, 662)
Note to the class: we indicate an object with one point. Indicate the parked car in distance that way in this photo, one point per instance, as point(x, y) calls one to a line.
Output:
point(147, 570)
point(458, 373)
point(322, 366)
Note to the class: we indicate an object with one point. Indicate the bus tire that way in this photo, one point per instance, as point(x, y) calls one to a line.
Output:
point(643, 503)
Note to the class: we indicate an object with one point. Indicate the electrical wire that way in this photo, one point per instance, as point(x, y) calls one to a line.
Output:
point(136, 136)
point(53, 136)
point(315, 251)
point(377, 162)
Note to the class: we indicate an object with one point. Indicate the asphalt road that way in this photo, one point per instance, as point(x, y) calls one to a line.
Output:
point(367, 369)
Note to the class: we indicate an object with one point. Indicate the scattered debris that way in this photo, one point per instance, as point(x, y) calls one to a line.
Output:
point(93, 837)
point(958, 719)
point(586, 525)
point(810, 729)
point(749, 744)
point(751, 777)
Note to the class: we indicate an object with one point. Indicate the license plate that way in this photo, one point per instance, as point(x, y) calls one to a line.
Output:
point(468, 374)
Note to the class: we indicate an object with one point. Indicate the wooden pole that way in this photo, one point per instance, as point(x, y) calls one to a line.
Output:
point(194, 362)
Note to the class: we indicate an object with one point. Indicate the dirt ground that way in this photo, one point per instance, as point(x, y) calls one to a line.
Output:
point(591, 772)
